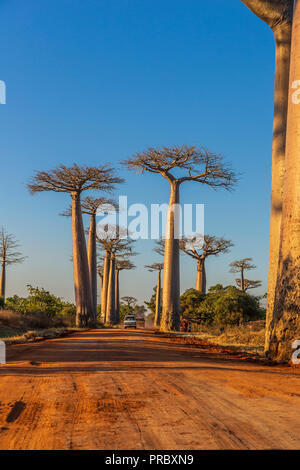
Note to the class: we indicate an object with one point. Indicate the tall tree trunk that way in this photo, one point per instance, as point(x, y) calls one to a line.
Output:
point(117, 296)
point(106, 266)
point(170, 319)
point(278, 15)
point(201, 276)
point(92, 260)
point(158, 301)
point(83, 297)
point(285, 325)
point(3, 280)
point(283, 50)
point(101, 286)
point(110, 307)
point(242, 281)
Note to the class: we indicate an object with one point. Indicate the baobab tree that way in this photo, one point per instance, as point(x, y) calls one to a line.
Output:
point(284, 327)
point(74, 180)
point(200, 248)
point(152, 268)
point(8, 256)
point(159, 249)
point(240, 266)
point(121, 265)
point(129, 301)
point(199, 165)
point(110, 240)
point(91, 206)
point(248, 284)
point(278, 14)
point(100, 274)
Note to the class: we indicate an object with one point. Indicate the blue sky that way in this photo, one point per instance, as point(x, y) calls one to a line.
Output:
point(96, 81)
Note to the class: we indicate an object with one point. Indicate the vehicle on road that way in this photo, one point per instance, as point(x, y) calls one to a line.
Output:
point(130, 321)
point(140, 321)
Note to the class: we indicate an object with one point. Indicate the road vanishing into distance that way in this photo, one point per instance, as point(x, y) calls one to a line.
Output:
point(134, 389)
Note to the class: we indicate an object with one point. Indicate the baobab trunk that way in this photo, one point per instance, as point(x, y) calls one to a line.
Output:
point(110, 307)
point(283, 49)
point(83, 297)
point(101, 285)
point(242, 285)
point(117, 296)
point(170, 319)
point(279, 18)
point(158, 301)
point(92, 261)
point(2, 281)
point(105, 285)
point(285, 325)
point(201, 276)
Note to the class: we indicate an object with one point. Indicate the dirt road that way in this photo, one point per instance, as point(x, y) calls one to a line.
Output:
point(117, 389)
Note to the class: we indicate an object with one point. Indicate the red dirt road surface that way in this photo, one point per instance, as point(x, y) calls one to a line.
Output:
point(121, 389)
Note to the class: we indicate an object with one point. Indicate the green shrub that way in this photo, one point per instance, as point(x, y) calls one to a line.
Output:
point(221, 306)
point(190, 302)
point(43, 309)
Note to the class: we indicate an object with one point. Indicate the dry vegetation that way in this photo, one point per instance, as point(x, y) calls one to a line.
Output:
point(18, 328)
point(249, 337)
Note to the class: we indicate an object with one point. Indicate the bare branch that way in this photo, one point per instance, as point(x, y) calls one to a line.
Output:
point(200, 165)
point(92, 206)
point(199, 247)
point(155, 267)
point(8, 245)
point(241, 265)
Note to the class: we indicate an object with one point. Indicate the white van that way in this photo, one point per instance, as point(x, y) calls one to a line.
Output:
point(130, 321)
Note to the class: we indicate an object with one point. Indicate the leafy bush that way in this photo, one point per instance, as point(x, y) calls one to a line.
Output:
point(221, 306)
point(44, 308)
point(190, 301)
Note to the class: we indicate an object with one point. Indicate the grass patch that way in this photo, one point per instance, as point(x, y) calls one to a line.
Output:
point(23, 328)
point(37, 335)
point(249, 337)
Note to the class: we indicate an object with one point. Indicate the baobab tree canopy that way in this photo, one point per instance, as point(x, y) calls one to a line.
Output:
point(8, 246)
point(74, 179)
point(200, 165)
point(91, 205)
point(248, 284)
point(272, 12)
point(201, 246)
point(8, 255)
point(241, 265)
point(155, 267)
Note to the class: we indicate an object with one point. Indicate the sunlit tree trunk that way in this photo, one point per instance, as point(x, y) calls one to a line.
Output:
point(170, 319)
point(111, 292)
point(201, 276)
point(92, 260)
point(278, 16)
point(2, 281)
point(83, 297)
point(285, 327)
point(105, 285)
point(283, 41)
point(101, 286)
point(117, 296)
point(158, 301)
